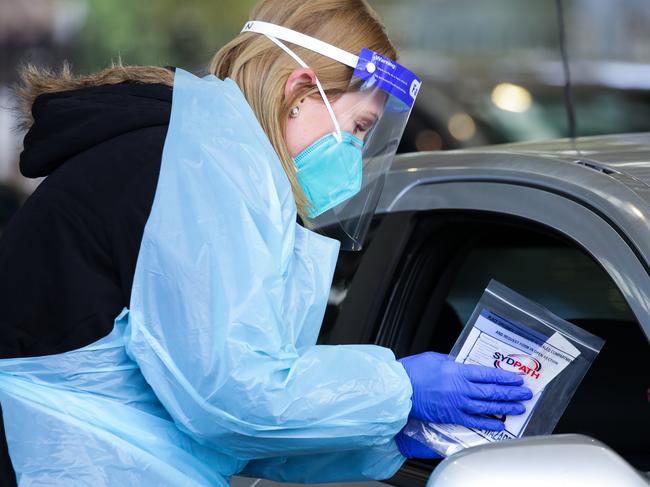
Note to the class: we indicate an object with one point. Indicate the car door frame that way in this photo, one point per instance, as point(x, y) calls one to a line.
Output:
point(591, 230)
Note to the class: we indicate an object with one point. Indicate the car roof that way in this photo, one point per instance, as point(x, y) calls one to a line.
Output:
point(624, 153)
point(592, 163)
point(609, 174)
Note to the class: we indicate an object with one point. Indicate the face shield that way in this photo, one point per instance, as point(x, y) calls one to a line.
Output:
point(343, 172)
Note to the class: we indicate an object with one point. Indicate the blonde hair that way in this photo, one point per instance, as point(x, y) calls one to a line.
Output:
point(256, 64)
point(261, 69)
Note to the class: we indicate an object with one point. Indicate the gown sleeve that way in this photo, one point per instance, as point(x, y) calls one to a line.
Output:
point(249, 394)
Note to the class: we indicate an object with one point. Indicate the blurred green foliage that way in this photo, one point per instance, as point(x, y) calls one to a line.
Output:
point(160, 32)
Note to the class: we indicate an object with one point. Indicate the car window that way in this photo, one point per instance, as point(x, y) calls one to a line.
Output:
point(450, 262)
point(346, 268)
point(612, 402)
point(562, 278)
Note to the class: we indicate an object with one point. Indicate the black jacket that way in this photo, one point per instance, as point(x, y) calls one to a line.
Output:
point(67, 258)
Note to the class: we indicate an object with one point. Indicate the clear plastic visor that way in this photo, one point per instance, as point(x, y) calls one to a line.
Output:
point(375, 111)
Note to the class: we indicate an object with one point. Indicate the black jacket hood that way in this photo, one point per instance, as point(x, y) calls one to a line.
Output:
point(70, 122)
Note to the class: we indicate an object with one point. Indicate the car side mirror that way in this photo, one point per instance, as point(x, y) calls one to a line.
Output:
point(566, 460)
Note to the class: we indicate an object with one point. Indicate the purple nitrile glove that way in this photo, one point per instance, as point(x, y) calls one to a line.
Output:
point(448, 392)
point(412, 448)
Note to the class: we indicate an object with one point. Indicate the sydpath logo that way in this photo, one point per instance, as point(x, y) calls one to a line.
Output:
point(519, 363)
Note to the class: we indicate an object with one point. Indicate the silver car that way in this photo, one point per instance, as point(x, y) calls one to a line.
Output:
point(567, 225)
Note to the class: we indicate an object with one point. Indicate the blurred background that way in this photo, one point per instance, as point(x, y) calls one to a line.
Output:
point(491, 68)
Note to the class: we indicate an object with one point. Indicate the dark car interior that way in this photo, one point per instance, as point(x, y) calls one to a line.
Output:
point(418, 279)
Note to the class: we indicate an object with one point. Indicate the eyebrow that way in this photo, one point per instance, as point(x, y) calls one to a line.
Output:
point(374, 116)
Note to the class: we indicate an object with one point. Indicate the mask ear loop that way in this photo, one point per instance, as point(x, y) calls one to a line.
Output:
point(337, 134)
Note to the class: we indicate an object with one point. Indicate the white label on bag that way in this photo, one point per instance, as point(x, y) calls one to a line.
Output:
point(496, 342)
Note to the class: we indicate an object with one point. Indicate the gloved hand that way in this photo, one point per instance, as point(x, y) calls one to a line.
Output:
point(412, 448)
point(448, 392)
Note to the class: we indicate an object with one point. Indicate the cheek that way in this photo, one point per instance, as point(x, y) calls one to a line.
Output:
point(300, 134)
point(295, 137)
point(312, 123)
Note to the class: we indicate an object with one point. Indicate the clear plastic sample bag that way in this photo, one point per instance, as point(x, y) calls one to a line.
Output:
point(511, 332)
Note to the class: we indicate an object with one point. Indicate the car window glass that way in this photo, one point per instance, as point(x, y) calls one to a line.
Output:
point(346, 267)
point(562, 278)
point(612, 402)
point(444, 283)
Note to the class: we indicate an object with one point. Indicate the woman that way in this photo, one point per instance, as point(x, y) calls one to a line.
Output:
point(162, 303)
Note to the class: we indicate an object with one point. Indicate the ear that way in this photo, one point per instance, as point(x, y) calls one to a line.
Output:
point(299, 77)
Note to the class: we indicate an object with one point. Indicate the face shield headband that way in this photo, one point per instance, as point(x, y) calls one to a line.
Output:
point(341, 174)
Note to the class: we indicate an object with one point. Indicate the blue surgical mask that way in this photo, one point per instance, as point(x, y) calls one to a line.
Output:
point(330, 171)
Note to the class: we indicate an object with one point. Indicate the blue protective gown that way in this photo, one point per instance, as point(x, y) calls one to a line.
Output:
point(214, 370)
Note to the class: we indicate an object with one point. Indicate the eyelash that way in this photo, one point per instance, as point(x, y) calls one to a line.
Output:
point(360, 128)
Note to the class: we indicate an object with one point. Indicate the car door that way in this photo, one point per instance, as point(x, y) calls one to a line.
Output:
point(428, 261)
